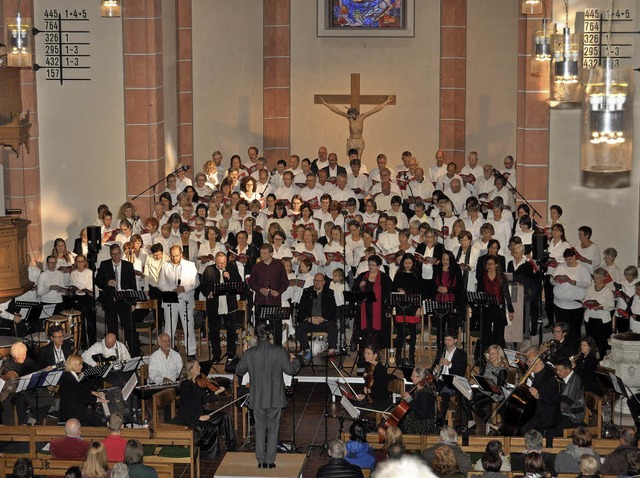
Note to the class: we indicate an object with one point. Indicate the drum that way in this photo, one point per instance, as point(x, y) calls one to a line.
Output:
point(39, 339)
point(60, 320)
point(75, 319)
point(6, 343)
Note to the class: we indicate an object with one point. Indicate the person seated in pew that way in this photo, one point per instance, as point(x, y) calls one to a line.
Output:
point(114, 443)
point(71, 446)
point(96, 464)
point(568, 461)
point(338, 466)
point(133, 454)
point(615, 462)
point(165, 364)
point(449, 438)
point(358, 450)
point(533, 444)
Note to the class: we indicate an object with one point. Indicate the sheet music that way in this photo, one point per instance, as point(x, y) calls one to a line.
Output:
point(511, 356)
point(47, 310)
point(128, 388)
point(287, 379)
point(349, 408)
point(53, 378)
point(463, 386)
point(334, 387)
point(24, 312)
point(2, 382)
point(616, 384)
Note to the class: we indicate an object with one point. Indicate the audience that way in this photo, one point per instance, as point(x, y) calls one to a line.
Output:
point(615, 463)
point(23, 468)
point(534, 466)
point(96, 465)
point(568, 461)
point(358, 450)
point(73, 472)
point(71, 446)
point(120, 470)
point(407, 467)
point(533, 444)
point(589, 467)
point(337, 466)
point(114, 443)
point(491, 463)
point(392, 436)
point(449, 438)
point(494, 447)
point(133, 454)
point(444, 463)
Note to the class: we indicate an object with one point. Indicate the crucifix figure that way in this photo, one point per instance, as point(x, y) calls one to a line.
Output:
point(353, 115)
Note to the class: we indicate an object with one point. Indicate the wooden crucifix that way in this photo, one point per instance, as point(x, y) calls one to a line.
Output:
point(353, 115)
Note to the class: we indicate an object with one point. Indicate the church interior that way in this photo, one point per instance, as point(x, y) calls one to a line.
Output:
point(105, 107)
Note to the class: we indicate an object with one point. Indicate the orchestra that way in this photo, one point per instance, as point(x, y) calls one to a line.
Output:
point(280, 242)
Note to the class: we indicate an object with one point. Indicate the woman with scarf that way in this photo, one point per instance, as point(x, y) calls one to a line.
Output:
point(373, 326)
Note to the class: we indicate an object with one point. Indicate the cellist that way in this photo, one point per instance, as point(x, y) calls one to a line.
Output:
point(421, 417)
point(544, 388)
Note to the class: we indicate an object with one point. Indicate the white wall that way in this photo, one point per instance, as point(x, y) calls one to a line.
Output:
point(492, 66)
point(407, 67)
point(611, 213)
point(169, 68)
point(81, 130)
point(227, 77)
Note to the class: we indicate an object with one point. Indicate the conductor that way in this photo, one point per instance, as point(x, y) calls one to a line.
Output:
point(266, 363)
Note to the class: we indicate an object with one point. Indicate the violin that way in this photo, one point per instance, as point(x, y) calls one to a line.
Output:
point(209, 384)
point(368, 382)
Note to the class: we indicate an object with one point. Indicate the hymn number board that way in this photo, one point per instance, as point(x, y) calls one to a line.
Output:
point(597, 44)
point(66, 44)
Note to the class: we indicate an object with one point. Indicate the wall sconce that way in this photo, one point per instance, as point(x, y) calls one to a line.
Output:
point(19, 42)
point(111, 8)
point(542, 47)
point(532, 7)
point(566, 66)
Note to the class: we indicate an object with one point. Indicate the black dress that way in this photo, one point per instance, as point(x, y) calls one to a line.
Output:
point(379, 392)
point(421, 418)
point(585, 368)
point(76, 401)
point(379, 337)
point(206, 434)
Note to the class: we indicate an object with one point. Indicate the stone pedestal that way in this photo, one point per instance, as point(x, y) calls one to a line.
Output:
point(624, 358)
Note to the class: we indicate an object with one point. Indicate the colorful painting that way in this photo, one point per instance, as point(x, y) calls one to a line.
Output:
point(367, 14)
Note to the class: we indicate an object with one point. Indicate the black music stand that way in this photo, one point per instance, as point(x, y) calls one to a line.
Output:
point(130, 295)
point(481, 300)
point(33, 311)
point(404, 301)
point(273, 313)
point(356, 298)
point(440, 309)
point(171, 297)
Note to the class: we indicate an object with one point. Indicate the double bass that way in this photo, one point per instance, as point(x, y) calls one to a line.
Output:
point(518, 408)
point(402, 408)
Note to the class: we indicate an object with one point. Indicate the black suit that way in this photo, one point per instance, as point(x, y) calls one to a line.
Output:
point(339, 170)
point(114, 309)
point(328, 306)
point(458, 367)
point(548, 403)
point(430, 284)
point(256, 239)
point(47, 356)
point(339, 468)
point(210, 276)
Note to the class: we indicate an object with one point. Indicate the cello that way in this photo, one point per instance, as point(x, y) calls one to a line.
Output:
point(518, 408)
point(402, 408)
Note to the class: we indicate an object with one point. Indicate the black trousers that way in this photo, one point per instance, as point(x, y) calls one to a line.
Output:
point(600, 332)
point(402, 329)
point(548, 300)
point(328, 326)
point(114, 310)
point(155, 293)
point(215, 322)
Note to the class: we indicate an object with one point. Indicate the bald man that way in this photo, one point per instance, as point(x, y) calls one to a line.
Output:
point(108, 348)
point(71, 446)
point(165, 363)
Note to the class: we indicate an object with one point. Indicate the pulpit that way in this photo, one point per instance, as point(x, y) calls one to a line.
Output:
point(14, 259)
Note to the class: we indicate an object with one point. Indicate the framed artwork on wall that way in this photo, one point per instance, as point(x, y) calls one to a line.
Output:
point(366, 18)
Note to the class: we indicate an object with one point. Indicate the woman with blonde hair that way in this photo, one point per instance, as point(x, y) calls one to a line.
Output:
point(76, 397)
point(64, 258)
point(392, 436)
point(96, 464)
point(128, 211)
point(444, 463)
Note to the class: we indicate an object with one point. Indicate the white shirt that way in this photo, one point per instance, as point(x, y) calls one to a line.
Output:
point(448, 355)
point(118, 350)
point(183, 183)
point(606, 300)
point(47, 279)
point(81, 280)
point(484, 186)
point(423, 190)
point(284, 192)
point(152, 269)
point(307, 194)
point(459, 199)
point(436, 171)
point(161, 366)
point(477, 173)
point(357, 182)
point(185, 272)
point(566, 295)
point(444, 182)
point(591, 253)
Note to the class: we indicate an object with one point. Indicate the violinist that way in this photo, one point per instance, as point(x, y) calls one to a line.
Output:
point(376, 381)
point(544, 389)
point(193, 397)
point(420, 419)
point(495, 369)
point(165, 364)
point(450, 360)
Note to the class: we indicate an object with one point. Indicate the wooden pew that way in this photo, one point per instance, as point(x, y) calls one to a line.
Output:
point(175, 436)
point(58, 467)
point(19, 434)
